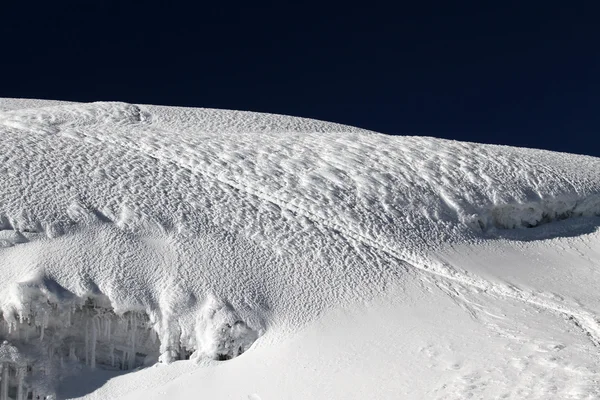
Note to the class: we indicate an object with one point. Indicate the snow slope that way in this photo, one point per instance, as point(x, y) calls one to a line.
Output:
point(342, 263)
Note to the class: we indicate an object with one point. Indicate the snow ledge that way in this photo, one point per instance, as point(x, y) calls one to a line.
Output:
point(534, 214)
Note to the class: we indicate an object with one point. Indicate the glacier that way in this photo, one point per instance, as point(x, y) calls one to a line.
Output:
point(172, 251)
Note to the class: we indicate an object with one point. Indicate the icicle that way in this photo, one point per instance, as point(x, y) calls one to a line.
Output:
point(20, 381)
point(108, 327)
point(125, 363)
point(87, 344)
point(94, 338)
point(4, 382)
point(72, 355)
point(129, 324)
point(133, 319)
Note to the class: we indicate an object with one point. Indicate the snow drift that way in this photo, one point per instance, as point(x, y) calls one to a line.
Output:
point(134, 234)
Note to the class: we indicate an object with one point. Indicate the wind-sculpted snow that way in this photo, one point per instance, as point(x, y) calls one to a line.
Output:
point(7, 104)
point(216, 227)
point(381, 186)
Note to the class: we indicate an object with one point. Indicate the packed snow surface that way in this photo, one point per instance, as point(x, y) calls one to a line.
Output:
point(288, 258)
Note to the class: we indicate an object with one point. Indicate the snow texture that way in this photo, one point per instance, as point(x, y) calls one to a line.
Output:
point(133, 234)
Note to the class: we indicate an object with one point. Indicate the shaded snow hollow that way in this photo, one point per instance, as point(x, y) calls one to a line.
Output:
point(131, 234)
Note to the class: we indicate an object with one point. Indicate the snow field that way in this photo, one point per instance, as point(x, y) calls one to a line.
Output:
point(132, 233)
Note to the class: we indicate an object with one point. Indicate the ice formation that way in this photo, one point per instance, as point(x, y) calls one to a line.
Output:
point(49, 334)
point(133, 234)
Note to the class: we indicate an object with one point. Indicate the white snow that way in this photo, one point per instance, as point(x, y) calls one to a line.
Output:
point(288, 258)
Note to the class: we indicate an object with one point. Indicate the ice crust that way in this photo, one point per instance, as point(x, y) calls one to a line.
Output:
point(192, 232)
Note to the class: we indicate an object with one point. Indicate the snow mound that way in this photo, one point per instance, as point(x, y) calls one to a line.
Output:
point(134, 233)
point(221, 333)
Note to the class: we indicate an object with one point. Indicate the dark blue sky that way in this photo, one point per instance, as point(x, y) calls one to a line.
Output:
point(519, 73)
